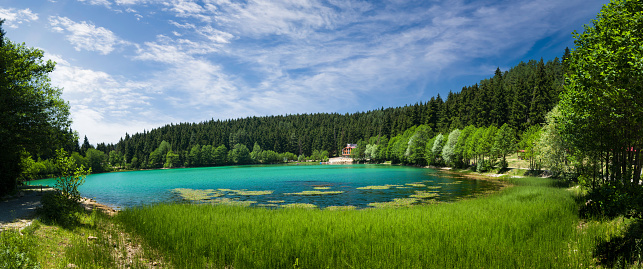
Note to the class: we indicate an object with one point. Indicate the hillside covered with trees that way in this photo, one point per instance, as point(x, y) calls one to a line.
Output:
point(519, 97)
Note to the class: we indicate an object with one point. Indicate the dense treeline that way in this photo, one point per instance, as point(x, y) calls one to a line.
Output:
point(519, 97)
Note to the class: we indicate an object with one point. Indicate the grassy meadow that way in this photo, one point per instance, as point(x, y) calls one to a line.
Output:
point(532, 224)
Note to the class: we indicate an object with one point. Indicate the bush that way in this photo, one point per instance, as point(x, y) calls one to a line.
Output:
point(61, 206)
point(15, 251)
point(611, 200)
point(503, 164)
point(483, 166)
point(56, 208)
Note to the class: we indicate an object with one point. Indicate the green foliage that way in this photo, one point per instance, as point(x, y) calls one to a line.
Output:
point(504, 143)
point(436, 149)
point(33, 116)
point(528, 143)
point(358, 153)
point(171, 160)
point(269, 156)
point(97, 160)
point(416, 145)
point(70, 176)
point(611, 200)
point(157, 157)
point(449, 154)
point(17, 251)
point(483, 166)
point(220, 154)
point(116, 158)
point(240, 154)
point(601, 106)
point(461, 145)
point(554, 149)
point(62, 205)
point(58, 209)
point(256, 155)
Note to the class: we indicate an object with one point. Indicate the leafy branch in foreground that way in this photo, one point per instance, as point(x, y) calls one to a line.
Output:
point(61, 206)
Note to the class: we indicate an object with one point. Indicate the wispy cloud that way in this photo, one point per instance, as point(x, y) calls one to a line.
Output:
point(104, 107)
point(105, 3)
point(228, 59)
point(86, 36)
point(14, 17)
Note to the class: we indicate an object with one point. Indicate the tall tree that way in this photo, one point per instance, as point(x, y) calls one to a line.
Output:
point(499, 108)
point(601, 106)
point(540, 99)
point(33, 116)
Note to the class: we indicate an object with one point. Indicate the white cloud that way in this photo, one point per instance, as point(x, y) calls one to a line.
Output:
point(229, 59)
point(104, 107)
point(14, 17)
point(86, 36)
point(105, 3)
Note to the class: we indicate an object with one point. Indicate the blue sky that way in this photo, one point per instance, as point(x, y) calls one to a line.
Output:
point(130, 65)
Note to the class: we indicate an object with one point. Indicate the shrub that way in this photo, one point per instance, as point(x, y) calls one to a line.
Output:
point(61, 206)
point(611, 200)
point(56, 208)
point(483, 166)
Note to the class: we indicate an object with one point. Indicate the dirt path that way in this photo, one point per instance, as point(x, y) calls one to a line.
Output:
point(19, 210)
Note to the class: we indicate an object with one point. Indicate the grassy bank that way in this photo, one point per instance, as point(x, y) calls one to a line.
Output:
point(530, 225)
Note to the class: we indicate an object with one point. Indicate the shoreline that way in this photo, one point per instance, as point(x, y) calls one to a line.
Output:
point(91, 204)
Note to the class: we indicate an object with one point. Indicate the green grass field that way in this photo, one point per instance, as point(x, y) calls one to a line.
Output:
point(530, 225)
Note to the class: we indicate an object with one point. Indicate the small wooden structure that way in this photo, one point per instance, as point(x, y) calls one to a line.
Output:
point(348, 149)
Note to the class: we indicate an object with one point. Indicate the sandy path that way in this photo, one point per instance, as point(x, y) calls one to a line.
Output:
point(18, 211)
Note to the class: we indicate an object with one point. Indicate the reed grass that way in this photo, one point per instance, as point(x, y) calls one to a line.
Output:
point(530, 225)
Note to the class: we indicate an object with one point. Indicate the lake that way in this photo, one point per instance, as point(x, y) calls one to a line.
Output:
point(278, 185)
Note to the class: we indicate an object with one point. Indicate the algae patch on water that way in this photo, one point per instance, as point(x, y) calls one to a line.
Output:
point(299, 205)
point(246, 192)
point(397, 202)
point(416, 184)
point(379, 187)
point(197, 195)
point(311, 193)
point(424, 194)
point(231, 201)
point(322, 188)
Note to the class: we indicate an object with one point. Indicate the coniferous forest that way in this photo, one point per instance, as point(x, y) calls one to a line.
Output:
point(519, 97)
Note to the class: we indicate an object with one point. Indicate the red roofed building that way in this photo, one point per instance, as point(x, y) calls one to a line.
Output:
point(348, 149)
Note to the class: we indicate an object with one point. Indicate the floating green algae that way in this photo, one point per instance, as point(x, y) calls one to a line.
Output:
point(434, 187)
point(268, 205)
point(450, 183)
point(197, 195)
point(417, 184)
point(275, 201)
point(424, 194)
point(246, 192)
point(322, 188)
point(315, 193)
point(379, 187)
point(376, 187)
point(299, 205)
point(397, 202)
point(231, 201)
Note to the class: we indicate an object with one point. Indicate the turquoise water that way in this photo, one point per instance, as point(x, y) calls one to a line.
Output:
point(126, 189)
